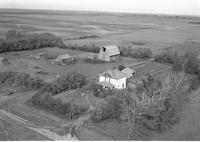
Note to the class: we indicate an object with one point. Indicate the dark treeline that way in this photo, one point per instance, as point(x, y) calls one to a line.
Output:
point(21, 80)
point(44, 97)
point(15, 41)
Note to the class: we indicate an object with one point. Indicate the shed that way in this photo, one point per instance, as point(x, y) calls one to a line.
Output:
point(41, 55)
point(3, 61)
point(109, 53)
point(128, 71)
point(64, 58)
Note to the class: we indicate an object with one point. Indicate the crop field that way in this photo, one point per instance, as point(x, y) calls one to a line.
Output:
point(154, 32)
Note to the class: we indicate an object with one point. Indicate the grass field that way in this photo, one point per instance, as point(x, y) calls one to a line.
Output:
point(153, 31)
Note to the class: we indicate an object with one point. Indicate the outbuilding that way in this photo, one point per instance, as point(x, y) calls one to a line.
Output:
point(109, 53)
point(3, 61)
point(64, 58)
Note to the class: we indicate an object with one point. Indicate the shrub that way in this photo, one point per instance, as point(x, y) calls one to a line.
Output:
point(140, 53)
point(166, 57)
point(14, 42)
point(13, 34)
point(21, 80)
point(47, 102)
point(111, 109)
point(101, 92)
point(71, 80)
point(187, 63)
point(121, 67)
point(44, 97)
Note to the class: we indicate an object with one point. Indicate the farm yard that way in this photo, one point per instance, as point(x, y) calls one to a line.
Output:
point(42, 95)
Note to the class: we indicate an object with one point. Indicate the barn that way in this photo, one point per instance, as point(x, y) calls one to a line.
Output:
point(109, 53)
point(113, 78)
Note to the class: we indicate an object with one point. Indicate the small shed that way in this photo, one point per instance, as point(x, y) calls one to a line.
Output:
point(128, 71)
point(64, 58)
point(3, 61)
point(41, 55)
point(109, 53)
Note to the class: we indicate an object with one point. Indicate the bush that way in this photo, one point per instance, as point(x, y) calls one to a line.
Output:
point(21, 80)
point(44, 97)
point(15, 42)
point(140, 53)
point(111, 109)
point(101, 92)
point(72, 80)
point(166, 57)
point(92, 48)
point(47, 102)
point(187, 63)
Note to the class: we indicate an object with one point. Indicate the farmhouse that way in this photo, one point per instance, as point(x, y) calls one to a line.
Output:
point(113, 78)
point(64, 58)
point(109, 53)
point(128, 71)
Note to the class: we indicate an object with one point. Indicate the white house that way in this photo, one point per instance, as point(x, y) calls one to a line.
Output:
point(109, 53)
point(113, 78)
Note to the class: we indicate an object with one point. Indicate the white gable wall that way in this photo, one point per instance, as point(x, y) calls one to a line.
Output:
point(119, 84)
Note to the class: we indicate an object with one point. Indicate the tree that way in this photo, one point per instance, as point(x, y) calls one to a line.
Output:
point(157, 105)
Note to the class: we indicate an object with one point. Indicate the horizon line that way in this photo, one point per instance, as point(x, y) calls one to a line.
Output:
point(113, 12)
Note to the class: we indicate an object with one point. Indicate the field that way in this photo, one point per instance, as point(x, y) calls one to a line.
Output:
point(150, 31)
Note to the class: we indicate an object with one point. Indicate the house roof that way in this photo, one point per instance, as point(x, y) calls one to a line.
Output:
point(128, 70)
point(113, 73)
point(112, 50)
point(63, 56)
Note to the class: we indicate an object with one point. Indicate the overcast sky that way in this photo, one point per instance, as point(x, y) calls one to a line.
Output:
point(183, 7)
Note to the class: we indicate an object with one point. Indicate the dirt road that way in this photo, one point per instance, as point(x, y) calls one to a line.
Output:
point(43, 130)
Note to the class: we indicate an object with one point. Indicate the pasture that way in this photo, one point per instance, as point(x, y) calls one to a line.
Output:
point(151, 31)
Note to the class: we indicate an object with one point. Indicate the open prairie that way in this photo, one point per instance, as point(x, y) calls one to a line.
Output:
point(152, 31)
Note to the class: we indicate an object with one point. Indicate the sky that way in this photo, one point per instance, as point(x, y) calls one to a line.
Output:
point(178, 7)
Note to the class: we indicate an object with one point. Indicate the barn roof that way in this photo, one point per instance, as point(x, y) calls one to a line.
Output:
point(128, 70)
point(113, 73)
point(112, 50)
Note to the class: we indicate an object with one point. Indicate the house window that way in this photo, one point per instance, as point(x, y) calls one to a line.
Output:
point(104, 49)
point(123, 85)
